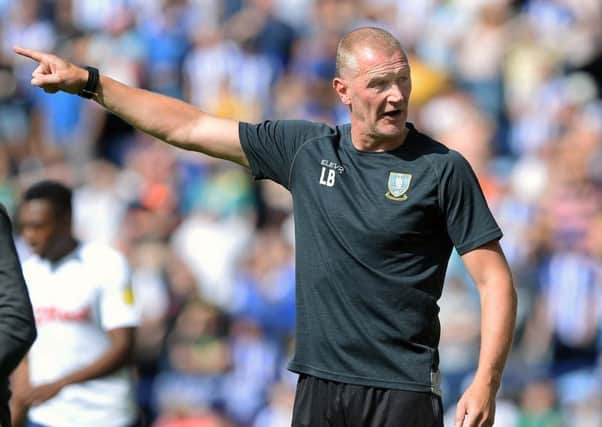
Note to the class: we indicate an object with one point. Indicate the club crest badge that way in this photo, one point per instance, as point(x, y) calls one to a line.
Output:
point(398, 185)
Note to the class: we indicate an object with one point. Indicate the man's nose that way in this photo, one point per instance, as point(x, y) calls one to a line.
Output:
point(395, 93)
point(28, 234)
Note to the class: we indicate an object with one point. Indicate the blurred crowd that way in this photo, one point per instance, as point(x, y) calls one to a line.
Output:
point(513, 85)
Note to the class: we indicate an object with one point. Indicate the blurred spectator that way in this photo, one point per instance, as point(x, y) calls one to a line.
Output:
point(120, 52)
point(480, 56)
point(101, 201)
point(459, 343)
point(221, 217)
point(26, 27)
point(257, 24)
point(539, 406)
point(254, 367)
point(264, 290)
point(166, 39)
point(197, 357)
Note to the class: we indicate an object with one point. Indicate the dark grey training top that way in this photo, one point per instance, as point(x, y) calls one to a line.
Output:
point(17, 326)
point(374, 232)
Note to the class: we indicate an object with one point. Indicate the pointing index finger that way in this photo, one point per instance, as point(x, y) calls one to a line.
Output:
point(29, 53)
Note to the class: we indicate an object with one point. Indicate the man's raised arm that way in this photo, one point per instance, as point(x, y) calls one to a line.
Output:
point(171, 120)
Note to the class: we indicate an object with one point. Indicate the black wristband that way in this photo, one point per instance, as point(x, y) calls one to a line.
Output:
point(89, 89)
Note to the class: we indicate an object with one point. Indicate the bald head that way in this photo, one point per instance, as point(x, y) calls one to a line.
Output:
point(365, 37)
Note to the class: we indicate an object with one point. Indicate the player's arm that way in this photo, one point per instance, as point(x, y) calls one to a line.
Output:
point(171, 120)
point(491, 274)
point(117, 355)
point(20, 390)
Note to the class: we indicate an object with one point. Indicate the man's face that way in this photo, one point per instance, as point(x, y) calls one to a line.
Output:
point(378, 91)
point(41, 228)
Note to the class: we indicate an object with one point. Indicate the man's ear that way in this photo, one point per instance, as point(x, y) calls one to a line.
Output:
point(342, 89)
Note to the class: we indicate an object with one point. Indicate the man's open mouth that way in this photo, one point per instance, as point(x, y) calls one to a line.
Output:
point(392, 113)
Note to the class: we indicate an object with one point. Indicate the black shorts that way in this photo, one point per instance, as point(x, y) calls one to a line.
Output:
point(323, 403)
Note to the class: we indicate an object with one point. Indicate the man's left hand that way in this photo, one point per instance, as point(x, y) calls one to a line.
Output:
point(476, 407)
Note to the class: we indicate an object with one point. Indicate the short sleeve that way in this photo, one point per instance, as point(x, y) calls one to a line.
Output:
point(271, 146)
point(470, 223)
point(117, 309)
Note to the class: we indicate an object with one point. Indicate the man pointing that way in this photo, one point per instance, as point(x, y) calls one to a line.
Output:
point(378, 208)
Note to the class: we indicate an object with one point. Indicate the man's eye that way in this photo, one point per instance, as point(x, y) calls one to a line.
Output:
point(378, 84)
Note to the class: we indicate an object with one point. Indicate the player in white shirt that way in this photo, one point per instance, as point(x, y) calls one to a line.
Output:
point(76, 372)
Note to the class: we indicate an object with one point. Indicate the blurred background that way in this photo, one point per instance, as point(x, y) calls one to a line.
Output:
point(513, 85)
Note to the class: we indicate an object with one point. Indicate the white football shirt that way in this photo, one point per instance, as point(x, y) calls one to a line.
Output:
point(75, 302)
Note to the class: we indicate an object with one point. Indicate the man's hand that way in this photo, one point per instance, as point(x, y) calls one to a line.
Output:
point(476, 407)
point(53, 73)
point(44, 392)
